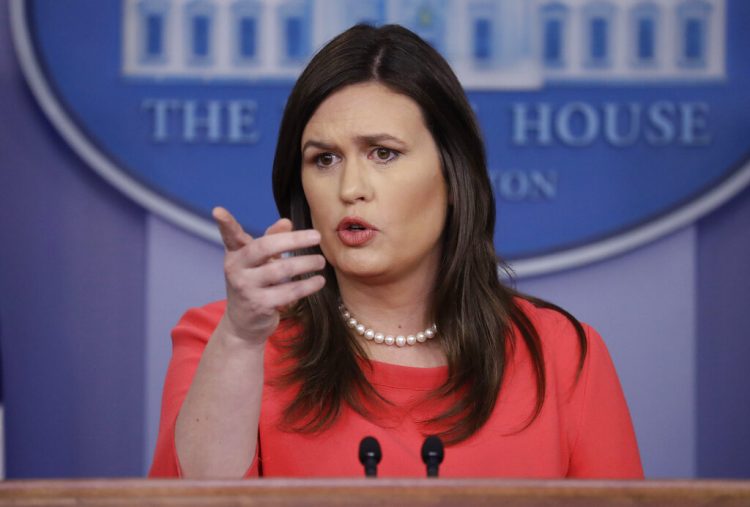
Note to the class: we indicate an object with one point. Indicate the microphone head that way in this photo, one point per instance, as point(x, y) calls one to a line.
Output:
point(369, 451)
point(432, 450)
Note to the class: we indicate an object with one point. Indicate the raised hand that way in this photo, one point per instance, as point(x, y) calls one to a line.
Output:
point(259, 279)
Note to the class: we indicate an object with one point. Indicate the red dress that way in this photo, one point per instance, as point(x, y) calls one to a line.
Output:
point(583, 430)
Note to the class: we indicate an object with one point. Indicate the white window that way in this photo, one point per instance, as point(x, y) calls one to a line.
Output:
point(199, 30)
point(296, 19)
point(554, 19)
point(483, 33)
point(644, 38)
point(152, 31)
point(246, 29)
point(598, 25)
point(693, 24)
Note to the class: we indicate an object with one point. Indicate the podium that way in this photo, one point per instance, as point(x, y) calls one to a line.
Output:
point(374, 492)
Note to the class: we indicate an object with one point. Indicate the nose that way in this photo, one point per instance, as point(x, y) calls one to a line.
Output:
point(355, 184)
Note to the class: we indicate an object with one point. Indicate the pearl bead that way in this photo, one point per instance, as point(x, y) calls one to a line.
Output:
point(371, 334)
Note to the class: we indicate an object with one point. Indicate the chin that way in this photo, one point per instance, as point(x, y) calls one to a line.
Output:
point(362, 271)
point(360, 267)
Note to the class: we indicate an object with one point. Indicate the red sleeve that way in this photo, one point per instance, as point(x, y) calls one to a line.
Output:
point(189, 338)
point(605, 446)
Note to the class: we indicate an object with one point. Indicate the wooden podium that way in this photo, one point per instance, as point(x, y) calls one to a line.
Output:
point(372, 492)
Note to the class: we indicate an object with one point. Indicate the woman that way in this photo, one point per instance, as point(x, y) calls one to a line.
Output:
point(401, 327)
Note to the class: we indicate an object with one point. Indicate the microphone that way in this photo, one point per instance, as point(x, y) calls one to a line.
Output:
point(370, 455)
point(432, 454)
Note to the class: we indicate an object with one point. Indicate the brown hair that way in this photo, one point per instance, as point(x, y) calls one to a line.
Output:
point(474, 311)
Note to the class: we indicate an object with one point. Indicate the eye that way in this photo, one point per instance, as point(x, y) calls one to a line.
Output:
point(384, 155)
point(326, 159)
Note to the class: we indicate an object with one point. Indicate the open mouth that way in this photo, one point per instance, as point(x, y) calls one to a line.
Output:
point(354, 224)
point(354, 231)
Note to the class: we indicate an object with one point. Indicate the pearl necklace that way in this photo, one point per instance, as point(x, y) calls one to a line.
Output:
point(372, 335)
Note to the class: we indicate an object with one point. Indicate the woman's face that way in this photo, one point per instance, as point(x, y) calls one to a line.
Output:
point(372, 177)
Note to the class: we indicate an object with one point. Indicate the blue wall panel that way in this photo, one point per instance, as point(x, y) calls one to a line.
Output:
point(71, 301)
point(724, 341)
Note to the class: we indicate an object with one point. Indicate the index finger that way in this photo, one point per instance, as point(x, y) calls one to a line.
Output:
point(233, 235)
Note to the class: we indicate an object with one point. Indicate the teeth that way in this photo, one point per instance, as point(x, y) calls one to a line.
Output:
point(356, 227)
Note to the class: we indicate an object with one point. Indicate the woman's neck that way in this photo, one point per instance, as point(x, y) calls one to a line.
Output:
point(399, 307)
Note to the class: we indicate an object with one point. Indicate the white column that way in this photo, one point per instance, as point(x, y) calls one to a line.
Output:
point(271, 41)
point(621, 39)
point(667, 43)
point(223, 39)
point(575, 44)
point(717, 33)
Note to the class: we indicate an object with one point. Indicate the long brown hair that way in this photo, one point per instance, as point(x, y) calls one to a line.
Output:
point(474, 311)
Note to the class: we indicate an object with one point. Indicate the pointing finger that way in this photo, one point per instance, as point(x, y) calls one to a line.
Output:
point(232, 234)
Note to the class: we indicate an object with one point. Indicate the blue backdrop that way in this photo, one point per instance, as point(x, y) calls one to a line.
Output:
point(90, 283)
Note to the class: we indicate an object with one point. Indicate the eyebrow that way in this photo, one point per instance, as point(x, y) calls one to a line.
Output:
point(366, 140)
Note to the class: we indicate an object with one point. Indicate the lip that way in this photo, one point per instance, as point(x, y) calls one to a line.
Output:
point(358, 237)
